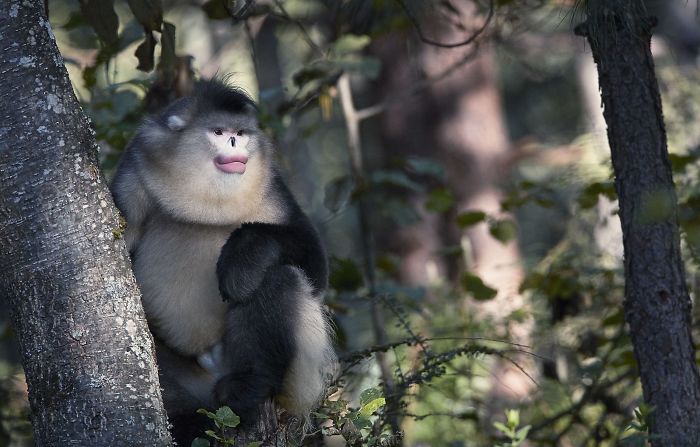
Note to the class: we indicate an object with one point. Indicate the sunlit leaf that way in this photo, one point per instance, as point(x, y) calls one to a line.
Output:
point(369, 395)
point(371, 407)
point(325, 103)
point(350, 43)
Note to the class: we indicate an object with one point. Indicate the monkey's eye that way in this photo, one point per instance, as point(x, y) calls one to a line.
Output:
point(239, 133)
point(218, 131)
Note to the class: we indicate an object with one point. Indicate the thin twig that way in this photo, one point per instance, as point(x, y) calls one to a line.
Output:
point(430, 41)
point(417, 87)
point(304, 33)
point(352, 124)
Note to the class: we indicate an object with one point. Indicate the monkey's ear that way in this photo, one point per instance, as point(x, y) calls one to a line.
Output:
point(250, 108)
point(175, 123)
point(178, 114)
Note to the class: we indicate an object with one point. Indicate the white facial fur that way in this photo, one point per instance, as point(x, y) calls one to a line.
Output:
point(209, 173)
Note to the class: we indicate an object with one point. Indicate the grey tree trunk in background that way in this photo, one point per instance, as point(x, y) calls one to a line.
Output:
point(657, 305)
point(86, 349)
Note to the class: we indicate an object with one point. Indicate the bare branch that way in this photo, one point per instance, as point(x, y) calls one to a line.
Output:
point(430, 41)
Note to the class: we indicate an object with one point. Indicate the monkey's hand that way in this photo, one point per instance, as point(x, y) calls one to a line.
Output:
point(245, 258)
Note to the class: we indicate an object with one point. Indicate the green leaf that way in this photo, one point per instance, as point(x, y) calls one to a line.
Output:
point(338, 192)
point(588, 198)
point(350, 43)
point(440, 200)
point(533, 281)
point(254, 444)
point(216, 9)
point(679, 162)
point(369, 408)
point(102, 18)
point(366, 65)
point(360, 421)
point(369, 395)
point(504, 230)
point(395, 178)
point(427, 167)
point(212, 434)
point(311, 73)
point(474, 285)
point(208, 414)
point(469, 218)
point(500, 427)
point(167, 50)
point(513, 418)
point(145, 53)
point(149, 13)
point(200, 442)
point(345, 275)
point(521, 434)
point(227, 417)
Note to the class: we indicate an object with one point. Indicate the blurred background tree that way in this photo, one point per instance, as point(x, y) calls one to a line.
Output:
point(453, 157)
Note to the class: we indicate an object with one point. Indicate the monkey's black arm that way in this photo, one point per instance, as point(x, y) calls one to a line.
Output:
point(254, 248)
point(265, 271)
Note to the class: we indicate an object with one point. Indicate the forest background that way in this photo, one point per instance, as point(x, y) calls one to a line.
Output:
point(453, 156)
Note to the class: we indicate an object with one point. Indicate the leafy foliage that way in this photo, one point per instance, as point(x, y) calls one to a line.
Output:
point(440, 354)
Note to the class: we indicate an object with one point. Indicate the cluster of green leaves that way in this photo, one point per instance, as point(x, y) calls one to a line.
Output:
point(354, 425)
point(224, 419)
point(101, 16)
point(511, 430)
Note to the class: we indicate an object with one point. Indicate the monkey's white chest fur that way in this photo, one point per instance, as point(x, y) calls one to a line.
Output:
point(175, 266)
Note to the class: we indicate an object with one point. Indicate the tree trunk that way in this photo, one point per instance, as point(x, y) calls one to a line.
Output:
point(657, 305)
point(458, 120)
point(86, 350)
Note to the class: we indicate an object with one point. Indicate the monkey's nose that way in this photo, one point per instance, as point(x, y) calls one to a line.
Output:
point(232, 140)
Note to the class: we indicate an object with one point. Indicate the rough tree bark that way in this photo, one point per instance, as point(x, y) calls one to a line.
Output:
point(86, 350)
point(657, 305)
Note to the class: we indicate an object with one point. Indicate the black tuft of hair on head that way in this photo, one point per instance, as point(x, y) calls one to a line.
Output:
point(218, 94)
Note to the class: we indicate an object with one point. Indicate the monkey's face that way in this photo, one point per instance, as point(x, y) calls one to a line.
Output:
point(222, 147)
point(214, 168)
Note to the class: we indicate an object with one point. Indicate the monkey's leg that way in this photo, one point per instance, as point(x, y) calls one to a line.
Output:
point(259, 344)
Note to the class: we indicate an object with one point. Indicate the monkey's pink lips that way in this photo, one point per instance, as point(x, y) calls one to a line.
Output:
point(234, 164)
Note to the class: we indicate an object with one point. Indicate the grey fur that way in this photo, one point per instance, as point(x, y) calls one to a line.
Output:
point(180, 211)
